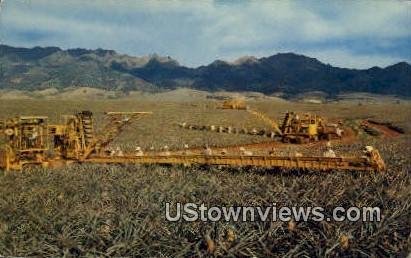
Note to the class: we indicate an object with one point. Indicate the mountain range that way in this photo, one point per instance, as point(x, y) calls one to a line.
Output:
point(285, 73)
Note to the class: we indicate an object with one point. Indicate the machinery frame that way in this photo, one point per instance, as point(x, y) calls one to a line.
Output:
point(74, 141)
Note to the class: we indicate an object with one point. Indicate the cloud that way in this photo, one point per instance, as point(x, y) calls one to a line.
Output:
point(362, 33)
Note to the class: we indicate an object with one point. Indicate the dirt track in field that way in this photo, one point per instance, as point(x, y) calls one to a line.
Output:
point(383, 129)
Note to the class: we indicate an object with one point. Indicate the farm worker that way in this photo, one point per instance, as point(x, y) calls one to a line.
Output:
point(186, 151)
point(329, 153)
point(98, 147)
point(119, 152)
point(272, 152)
point(298, 154)
point(139, 152)
point(166, 151)
point(244, 152)
point(207, 150)
point(320, 122)
point(34, 135)
point(339, 132)
point(32, 138)
point(367, 151)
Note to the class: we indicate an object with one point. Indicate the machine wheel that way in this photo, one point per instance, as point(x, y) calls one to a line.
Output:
point(9, 132)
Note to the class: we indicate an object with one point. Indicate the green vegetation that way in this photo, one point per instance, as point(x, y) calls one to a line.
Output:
point(100, 210)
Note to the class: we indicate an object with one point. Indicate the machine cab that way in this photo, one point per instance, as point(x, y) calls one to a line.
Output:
point(26, 139)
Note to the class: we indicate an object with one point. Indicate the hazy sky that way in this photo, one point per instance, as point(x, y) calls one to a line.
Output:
point(355, 34)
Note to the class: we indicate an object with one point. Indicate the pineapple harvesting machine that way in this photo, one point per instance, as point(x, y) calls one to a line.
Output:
point(32, 141)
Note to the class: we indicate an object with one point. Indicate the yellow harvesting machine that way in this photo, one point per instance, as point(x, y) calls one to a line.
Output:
point(239, 104)
point(32, 141)
point(26, 141)
point(308, 128)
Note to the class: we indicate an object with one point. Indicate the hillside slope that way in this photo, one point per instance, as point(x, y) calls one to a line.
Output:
point(287, 73)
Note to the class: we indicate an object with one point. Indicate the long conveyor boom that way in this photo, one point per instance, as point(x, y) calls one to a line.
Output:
point(316, 163)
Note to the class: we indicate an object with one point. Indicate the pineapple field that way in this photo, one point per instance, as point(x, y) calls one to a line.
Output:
point(119, 210)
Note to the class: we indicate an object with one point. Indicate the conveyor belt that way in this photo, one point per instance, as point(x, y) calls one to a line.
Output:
point(316, 163)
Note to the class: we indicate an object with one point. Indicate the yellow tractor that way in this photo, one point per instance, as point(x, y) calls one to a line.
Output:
point(308, 128)
point(239, 104)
